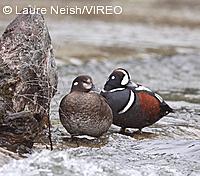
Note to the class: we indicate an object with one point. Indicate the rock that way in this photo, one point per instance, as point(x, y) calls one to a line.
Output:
point(19, 131)
point(2, 110)
point(28, 79)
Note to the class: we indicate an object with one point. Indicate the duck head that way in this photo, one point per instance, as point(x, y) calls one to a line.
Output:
point(119, 78)
point(83, 83)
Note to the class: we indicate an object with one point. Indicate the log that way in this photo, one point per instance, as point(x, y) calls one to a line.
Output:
point(28, 80)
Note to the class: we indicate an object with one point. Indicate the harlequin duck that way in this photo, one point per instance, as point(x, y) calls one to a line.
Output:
point(133, 105)
point(84, 112)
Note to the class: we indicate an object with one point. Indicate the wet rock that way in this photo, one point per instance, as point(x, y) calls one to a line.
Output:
point(2, 110)
point(84, 141)
point(28, 79)
point(18, 131)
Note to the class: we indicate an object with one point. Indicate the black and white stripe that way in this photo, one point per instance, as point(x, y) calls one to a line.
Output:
point(113, 90)
point(131, 101)
point(126, 77)
point(140, 88)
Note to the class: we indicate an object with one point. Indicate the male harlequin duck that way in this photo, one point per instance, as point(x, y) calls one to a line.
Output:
point(133, 105)
point(84, 112)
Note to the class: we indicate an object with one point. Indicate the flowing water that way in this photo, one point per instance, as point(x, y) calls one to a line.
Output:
point(166, 59)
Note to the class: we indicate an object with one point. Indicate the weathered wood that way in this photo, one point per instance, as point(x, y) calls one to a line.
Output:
point(28, 79)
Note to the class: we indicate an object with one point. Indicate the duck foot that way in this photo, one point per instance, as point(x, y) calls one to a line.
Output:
point(139, 134)
point(122, 131)
point(143, 135)
point(125, 131)
point(139, 131)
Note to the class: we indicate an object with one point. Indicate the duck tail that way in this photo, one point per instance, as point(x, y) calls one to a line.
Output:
point(166, 109)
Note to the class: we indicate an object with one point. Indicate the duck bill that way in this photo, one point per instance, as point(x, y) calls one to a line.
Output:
point(94, 89)
point(108, 87)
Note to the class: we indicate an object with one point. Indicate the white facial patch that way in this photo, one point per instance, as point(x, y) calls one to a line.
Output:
point(143, 88)
point(125, 79)
point(159, 97)
point(87, 86)
point(113, 77)
point(129, 104)
point(76, 83)
point(113, 90)
point(88, 80)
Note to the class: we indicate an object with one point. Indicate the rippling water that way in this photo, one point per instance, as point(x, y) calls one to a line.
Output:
point(121, 156)
point(169, 147)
